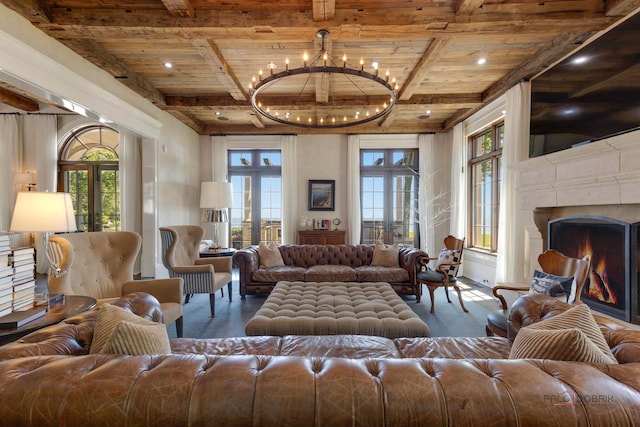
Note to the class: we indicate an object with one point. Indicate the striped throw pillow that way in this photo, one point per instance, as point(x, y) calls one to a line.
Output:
point(553, 337)
point(108, 319)
point(138, 339)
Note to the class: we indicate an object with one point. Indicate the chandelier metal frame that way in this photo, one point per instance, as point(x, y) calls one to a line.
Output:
point(256, 88)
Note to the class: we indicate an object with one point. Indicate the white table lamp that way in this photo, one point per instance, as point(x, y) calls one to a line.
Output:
point(43, 212)
point(215, 199)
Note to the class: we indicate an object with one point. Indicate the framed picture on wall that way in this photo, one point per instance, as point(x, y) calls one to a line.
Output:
point(322, 195)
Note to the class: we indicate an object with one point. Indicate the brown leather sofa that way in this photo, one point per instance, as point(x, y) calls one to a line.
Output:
point(326, 263)
point(48, 378)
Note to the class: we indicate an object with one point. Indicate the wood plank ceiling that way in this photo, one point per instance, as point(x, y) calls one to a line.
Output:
point(431, 47)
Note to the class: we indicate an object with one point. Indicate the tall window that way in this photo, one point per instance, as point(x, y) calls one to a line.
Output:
point(88, 169)
point(486, 176)
point(256, 215)
point(389, 193)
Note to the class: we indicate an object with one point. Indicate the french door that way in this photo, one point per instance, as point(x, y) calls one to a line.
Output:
point(95, 192)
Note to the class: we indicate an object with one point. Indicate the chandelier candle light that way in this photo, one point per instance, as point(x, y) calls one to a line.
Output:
point(374, 96)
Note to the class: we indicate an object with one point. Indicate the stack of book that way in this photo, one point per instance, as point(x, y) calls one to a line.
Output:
point(6, 276)
point(24, 269)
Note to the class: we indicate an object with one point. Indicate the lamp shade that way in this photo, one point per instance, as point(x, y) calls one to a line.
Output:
point(44, 212)
point(216, 195)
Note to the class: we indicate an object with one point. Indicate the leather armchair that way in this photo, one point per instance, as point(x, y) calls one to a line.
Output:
point(552, 262)
point(181, 257)
point(100, 265)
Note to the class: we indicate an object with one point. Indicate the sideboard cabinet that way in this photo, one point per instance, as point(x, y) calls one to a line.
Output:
point(321, 237)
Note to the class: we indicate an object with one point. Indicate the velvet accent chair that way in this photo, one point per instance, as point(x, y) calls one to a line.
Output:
point(551, 262)
point(181, 256)
point(445, 271)
point(100, 265)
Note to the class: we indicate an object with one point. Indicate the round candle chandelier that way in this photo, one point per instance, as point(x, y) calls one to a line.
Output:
point(327, 94)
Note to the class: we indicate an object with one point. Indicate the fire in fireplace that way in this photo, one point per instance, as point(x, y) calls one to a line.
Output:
point(612, 285)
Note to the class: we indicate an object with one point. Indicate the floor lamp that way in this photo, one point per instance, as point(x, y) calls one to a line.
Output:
point(215, 199)
point(44, 212)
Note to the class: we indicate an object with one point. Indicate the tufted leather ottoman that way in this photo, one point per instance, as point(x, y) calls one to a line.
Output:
point(336, 308)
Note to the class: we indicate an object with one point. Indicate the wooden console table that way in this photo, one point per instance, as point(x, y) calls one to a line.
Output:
point(321, 237)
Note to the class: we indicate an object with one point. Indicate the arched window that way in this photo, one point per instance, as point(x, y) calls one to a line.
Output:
point(88, 169)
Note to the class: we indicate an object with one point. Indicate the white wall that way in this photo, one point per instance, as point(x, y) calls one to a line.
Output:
point(323, 157)
point(52, 70)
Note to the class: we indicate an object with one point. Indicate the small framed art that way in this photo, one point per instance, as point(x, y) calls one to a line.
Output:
point(322, 195)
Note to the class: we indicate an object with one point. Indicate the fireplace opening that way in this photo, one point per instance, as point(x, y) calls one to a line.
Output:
point(612, 284)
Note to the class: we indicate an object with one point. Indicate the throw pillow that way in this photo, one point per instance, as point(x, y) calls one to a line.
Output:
point(449, 256)
point(578, 317)
point(108, 318)
point(138, 339)
point(561, 344)
point(385, 255)
point(269, 255)
point(555, 286)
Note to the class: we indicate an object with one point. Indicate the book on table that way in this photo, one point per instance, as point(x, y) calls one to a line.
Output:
point(20, 318)
point(23, 251)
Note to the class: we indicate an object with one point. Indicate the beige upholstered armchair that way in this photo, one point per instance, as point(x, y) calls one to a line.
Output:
point(181, 256)
point(100, 265)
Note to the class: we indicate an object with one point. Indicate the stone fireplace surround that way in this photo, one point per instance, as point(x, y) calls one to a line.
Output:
point(601, 178)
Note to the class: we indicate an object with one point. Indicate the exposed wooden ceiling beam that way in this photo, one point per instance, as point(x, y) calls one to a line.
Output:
point(322, 81)
point(398, 20)
point(179, 8)
point(95, 53)
point(621, 7)
point(436, 49)
point(210, 52)
point(324, 10)
point(18, 101)
point(466, 7)
point(36, 11)
point(207, 102)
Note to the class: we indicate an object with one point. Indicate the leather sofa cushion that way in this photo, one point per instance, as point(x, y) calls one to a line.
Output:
point(276, 274)
point(330, 273)
point(454, 347)
point(369, 273)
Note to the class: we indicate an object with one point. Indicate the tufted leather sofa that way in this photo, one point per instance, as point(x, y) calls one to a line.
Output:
point(48, 378)
point(326, 263)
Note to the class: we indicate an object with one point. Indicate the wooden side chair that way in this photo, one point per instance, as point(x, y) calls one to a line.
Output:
point(445, 271)
point(551, 262)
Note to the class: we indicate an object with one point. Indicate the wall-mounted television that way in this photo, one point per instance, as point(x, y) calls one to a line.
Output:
point(590, 95)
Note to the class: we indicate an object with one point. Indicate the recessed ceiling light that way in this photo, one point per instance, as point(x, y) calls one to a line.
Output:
point(580, 60)
point(482, 61)
point(218, 113)
point(168, 64)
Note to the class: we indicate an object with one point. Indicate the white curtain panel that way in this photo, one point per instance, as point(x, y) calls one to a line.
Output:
point(511, 233)
point(458, 182)
point(427, 191)
point(219, 173)
point(46, 142)
point(353, 190)
point(10, 164)
point(289, 189)
point(130, 181)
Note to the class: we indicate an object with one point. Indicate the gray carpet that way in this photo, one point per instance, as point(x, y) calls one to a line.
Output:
point(448, 319)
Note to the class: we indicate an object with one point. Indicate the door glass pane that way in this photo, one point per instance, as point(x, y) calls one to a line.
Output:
point(271, 209)
point(77, 183)
point(372, 209)
point(482, 209)
point(109, 200)
point(403, 218)
point(240, 221)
